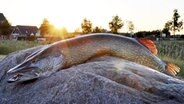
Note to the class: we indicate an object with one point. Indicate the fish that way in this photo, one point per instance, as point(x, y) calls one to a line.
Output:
point(66, 53)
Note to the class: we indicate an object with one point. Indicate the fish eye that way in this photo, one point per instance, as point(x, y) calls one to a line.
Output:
point(17, 75)
point(33, 61)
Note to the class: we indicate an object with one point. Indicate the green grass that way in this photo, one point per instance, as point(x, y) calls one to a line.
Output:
point(172, 51)
point(7, 46)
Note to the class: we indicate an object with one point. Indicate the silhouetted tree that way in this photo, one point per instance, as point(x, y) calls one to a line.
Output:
point(131, 27)
point(98, 30)
point(45, 28)
point(174, 24)
point(5, 28)
point(86, 26)
point(116, 24)
point(166, 31)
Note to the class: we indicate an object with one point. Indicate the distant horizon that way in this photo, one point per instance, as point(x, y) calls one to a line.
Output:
point(146, 15)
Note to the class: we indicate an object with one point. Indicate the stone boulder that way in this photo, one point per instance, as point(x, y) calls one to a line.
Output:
point(104, 80)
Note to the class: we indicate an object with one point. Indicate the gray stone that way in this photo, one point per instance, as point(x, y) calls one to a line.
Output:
point(104, 80)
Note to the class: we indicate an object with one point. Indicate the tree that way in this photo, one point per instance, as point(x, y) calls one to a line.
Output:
point(166, 31)
point(116, 24)
point(174, 24)
point(98, 30)
point(5, 28)
point(130, 26)
point(45, 28)
point(86, 26)
point(167, 28)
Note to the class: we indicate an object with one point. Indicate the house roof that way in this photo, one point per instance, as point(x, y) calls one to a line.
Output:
point(26, 30)
point(2, 17)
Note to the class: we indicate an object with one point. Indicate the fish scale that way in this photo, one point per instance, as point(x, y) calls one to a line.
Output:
point(69, 52)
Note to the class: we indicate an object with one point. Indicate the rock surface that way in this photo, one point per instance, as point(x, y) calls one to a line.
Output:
point(104, 80)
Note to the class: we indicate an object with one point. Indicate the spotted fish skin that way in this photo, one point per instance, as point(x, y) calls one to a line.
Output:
point(79, 50)
point(69, 52)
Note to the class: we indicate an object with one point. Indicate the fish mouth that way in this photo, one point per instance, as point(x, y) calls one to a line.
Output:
point(21, 69)
point(23, 77)
point(15, 69)
point(15, 78)
point(22, 74)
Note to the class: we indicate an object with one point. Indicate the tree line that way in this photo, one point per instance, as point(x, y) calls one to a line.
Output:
point(48, 30)
point(87, 26)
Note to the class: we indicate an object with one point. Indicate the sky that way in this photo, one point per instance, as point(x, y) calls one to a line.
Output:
point(145, 14)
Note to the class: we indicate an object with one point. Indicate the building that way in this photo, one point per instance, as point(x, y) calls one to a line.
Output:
point(22, 32)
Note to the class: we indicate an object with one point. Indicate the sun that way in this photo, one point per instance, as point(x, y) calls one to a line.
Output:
point(64, 24)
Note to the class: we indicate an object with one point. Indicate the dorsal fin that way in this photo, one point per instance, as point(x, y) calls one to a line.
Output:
point(149, 44)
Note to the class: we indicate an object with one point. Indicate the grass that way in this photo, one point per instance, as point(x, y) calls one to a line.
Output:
point(7, 46)
point(172, 51)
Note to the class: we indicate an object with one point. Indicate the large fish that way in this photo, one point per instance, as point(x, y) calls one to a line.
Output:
point(65, 53)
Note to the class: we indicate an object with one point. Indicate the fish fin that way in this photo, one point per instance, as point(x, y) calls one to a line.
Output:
point(172, 69)
point(149, 44)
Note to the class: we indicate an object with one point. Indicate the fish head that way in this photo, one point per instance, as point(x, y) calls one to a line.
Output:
point(23, 72)
point(33, 67)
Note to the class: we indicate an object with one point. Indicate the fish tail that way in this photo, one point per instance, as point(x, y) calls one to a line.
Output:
point(172, 69)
